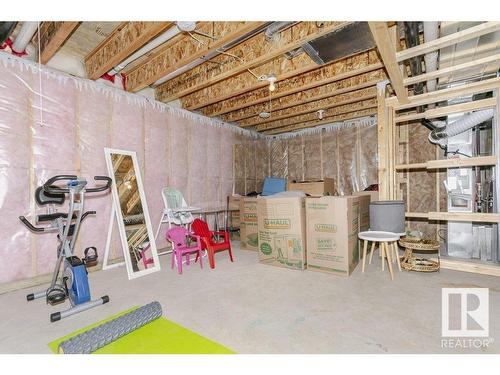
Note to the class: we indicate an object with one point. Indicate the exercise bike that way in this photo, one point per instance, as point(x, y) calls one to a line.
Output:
point(72, 283)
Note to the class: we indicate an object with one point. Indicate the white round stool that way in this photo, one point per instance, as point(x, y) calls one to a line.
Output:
point(388, 242)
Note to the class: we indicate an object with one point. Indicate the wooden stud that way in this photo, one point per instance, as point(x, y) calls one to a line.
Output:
point(382, 137)
point(450, 163)
point(251, 53)
point(387, 50)
point(466, 162)
point(456, 216)
point(446, 94)
point(447, 110)
point(464, 266)
point(448, 40)
point(450, 70)
point(52, 36)
point(465, 216)
point(127, 38)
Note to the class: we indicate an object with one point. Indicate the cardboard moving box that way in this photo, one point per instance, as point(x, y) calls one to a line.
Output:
point(364, 212)
point(281, 224)
point(248, 223)
point(372, 193)
point(332, 234)
point(365, 197)
point(314, 188)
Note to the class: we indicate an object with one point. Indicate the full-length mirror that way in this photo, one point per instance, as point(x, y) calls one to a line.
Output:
point(129, 203)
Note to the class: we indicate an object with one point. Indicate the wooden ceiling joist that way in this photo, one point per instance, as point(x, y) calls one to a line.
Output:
point(387, 49)
point(127, 38)
point(448, 40)
point(186, 51)
point(250, 54)
point(52, 37)
point(336, 71)
point(334, 101)
point(312, 118)
point(242, 83)
point(342, 117)
point(315, 94)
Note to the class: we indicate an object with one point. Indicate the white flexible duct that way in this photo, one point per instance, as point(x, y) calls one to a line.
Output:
point(463, 124)
point(431, 31)
point(167, 35)
point(28, 29)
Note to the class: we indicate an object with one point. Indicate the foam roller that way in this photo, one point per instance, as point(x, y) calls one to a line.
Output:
point(97, 337)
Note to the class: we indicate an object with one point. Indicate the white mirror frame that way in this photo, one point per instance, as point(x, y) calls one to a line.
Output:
point(119, 215)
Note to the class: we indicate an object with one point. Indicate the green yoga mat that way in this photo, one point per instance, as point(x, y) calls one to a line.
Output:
point(161, 336)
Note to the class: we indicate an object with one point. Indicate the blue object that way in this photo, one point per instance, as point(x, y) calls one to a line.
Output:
point(273, 185)
point(80, 290)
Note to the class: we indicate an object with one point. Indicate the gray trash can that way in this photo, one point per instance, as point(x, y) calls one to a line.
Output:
point(387, 216)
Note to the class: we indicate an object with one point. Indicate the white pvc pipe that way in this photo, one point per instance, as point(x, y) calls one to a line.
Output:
point(431, 30)
point(28, 29)
point(167, 35)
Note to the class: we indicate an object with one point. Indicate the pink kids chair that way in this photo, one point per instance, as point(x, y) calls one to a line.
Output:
point(178, 236)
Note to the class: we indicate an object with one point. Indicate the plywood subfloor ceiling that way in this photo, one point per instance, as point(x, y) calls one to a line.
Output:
point(220, 69)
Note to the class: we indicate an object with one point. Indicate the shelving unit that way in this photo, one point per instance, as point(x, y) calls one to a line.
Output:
point(395, 112)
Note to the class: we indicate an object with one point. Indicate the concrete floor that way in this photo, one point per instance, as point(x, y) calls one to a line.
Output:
point(255, 308)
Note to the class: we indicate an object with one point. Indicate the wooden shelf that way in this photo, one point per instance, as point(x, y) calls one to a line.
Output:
point(448, 110)
point(450, 163)
point(476, 217)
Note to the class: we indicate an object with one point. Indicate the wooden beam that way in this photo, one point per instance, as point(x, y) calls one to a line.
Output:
point(448, 110)
point(256, 92)
point(417, 215)
point(127, 38)
point(468, 266)
point(478, 217)
point(52, 36)
point(334, 101)
point(311, 119)
point(448, 40)
point(465, 216)
point(307, 96)
point(250, 54)
point(450, 70)
point(341, 117)
point(283, 68)
point(462, 163)
point(186, 51)
point(387, 50)
point(446, 94)
point(450, 163)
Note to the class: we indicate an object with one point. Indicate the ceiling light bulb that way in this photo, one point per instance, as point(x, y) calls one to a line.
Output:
point(272, 87)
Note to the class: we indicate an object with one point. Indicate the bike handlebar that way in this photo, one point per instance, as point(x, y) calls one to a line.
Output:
point(49, 186)
point(100, 188)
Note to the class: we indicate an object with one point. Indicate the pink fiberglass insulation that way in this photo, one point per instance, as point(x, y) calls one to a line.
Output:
point(64, 129)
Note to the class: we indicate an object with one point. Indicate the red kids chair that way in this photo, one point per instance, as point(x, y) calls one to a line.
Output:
point(209, 242)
